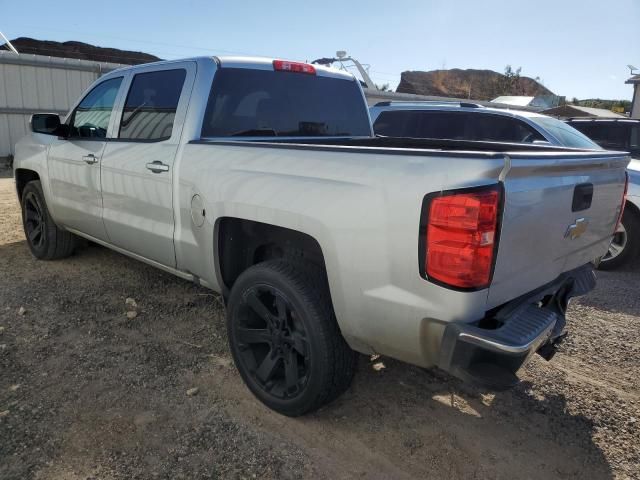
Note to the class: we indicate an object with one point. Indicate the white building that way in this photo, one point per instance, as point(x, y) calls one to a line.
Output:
point(39, 84)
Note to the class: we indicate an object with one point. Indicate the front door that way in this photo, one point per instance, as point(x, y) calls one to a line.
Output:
point(138, 164)
point(74, 162)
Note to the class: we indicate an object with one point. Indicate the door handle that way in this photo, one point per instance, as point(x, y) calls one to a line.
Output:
point(158, 167)
point(90, 159)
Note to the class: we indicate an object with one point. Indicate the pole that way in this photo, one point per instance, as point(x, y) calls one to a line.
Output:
point(11, 47)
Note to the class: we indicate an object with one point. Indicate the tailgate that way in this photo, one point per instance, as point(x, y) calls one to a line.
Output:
point(544, 231)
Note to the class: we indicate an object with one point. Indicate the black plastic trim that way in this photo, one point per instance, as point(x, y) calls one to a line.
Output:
point(582, 197)
point(422, 232)
point(324, 145)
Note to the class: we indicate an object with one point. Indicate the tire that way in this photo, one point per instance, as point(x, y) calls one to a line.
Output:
point(627, 241)
point(284, 337)
point(45, 239)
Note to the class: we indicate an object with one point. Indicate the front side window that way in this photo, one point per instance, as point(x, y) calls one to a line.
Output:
point(151, 105)
point(91, 118)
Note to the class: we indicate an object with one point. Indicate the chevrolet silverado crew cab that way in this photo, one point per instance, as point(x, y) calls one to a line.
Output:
point(262, 180)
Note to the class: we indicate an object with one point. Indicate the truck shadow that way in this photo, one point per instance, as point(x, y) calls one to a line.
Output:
point(439, 425)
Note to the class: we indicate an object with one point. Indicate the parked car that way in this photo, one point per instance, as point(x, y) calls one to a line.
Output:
point(470, 121)
point(262, 180)
point(619, 134)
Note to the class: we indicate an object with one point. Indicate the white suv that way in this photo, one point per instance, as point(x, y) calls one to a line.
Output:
point(469, 121)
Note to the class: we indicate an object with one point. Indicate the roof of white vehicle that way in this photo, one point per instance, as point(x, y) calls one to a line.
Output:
point(462, 105)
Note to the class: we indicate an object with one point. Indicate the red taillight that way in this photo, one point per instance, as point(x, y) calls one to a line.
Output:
point(461, 235)
point(624, 201)
point(297, 67)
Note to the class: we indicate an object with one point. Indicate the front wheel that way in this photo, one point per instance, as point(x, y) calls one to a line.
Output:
point(45, 239)
point(284, 337)
point(625, 244)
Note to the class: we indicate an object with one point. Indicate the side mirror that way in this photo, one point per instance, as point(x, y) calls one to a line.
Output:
point(47, 123)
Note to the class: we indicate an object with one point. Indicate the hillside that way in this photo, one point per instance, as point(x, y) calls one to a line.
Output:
point(484, 84)
point(80, 50)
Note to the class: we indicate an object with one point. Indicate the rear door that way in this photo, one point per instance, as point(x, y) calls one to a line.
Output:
point(74, 162)
point(560, 212)
point(138, 164)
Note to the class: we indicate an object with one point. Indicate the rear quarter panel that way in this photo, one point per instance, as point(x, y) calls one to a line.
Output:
point(364, 211)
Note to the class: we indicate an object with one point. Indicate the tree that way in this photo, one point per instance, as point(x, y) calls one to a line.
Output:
point(510, 82)
point(384, 87)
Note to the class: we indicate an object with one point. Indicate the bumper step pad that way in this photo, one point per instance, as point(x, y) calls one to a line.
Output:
point(491, 357)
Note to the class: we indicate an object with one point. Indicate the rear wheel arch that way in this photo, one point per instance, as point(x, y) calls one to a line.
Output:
point(240, 243)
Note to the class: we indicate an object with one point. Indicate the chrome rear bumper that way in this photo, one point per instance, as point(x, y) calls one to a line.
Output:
point(491, 351)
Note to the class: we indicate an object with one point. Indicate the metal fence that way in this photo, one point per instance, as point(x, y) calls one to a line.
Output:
point(38, 84)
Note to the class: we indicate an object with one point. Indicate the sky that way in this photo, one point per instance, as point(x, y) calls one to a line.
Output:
point(578, 48)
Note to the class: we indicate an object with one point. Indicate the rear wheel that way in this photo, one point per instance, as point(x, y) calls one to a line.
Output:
point(45, 239)
point(285, 339)
point(625, 244)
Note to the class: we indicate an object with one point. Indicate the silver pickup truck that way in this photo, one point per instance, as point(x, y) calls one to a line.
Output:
point(261, 179)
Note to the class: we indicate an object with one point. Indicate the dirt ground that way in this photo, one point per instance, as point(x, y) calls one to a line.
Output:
point(88, 393)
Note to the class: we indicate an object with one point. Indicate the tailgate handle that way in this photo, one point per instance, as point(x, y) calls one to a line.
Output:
point(582, 196)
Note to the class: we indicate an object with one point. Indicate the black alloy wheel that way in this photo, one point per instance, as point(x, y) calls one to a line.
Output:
point(45, 239)
point(34, 221)
point(285, 339)
point(272, 341)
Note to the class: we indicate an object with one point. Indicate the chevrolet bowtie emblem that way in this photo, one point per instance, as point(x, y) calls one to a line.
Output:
point(577, 229)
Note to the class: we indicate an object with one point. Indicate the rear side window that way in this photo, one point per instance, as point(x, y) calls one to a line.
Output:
point(566, 134)
point(499, 128)
point(400, 123)
point(454, 126)
point(151, 105)
point(247, 102)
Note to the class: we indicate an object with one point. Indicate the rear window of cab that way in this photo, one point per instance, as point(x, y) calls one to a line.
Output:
point(249, 102)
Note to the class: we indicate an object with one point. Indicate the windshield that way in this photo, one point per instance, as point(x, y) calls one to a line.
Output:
point(246, 102)
point(566, 135)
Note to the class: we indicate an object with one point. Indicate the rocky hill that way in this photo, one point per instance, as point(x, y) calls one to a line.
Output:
point(470, 83)
point(80, 50)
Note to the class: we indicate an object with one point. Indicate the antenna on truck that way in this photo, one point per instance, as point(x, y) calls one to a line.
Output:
point(8, 44)
point(341, 57)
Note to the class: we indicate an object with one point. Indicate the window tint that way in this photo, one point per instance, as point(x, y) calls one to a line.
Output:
point(399, 123)
point(447, 125)
point(609, 135)
point(455, 126)
point(246, 102)
point(634, 146)
point(499, 128)
point(91, 117)
point(566, 135)
point(151, 104)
